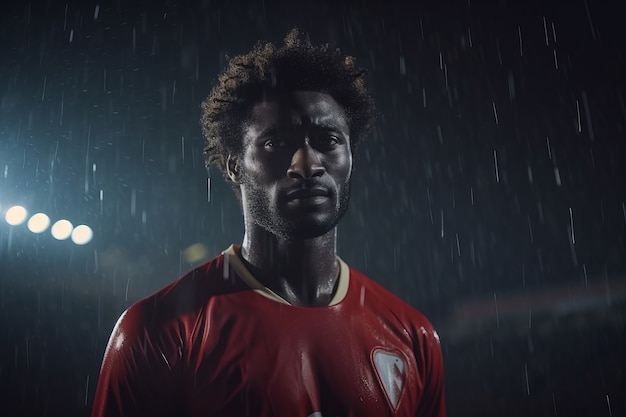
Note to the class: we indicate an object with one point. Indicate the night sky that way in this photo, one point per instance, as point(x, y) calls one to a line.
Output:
point(491, 194)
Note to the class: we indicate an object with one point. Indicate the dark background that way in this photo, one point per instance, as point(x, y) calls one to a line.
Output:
point(503, 124)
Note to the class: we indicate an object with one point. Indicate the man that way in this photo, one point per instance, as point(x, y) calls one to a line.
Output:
point(279, 325)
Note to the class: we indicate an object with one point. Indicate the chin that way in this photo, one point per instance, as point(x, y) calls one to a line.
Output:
point(308, 231)
point(308, 225)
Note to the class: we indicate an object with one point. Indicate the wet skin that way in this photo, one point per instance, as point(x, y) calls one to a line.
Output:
point(294, 176)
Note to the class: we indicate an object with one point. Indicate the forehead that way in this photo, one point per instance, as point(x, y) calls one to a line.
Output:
point(298, 108)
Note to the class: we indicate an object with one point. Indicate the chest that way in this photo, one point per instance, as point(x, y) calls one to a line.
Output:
point(264, 359)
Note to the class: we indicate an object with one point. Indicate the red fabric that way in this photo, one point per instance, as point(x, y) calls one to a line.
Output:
point(208, 346)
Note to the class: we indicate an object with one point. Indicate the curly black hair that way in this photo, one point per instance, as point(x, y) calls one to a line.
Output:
point(268, 70)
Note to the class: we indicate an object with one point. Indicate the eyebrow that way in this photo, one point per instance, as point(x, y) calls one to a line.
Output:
point(327, 126)
point(321, 125)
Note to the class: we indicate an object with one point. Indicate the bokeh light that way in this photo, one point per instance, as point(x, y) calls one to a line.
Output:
point(82, 234)
point(195, 252)
point(62, 229)
point(38, 223)
point(16, 215)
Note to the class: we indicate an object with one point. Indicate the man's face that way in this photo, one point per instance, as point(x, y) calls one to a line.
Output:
point(294, 173)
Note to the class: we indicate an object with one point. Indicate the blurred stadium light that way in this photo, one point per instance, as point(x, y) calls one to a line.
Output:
point(39, 222)
point(16, 215)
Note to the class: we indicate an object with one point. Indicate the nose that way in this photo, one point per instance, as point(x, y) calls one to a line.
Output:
point(305, 163)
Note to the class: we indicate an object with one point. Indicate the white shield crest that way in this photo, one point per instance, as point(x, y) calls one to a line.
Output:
point(391, 372)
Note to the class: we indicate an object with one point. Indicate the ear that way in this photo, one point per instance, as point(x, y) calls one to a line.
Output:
point(232, 171)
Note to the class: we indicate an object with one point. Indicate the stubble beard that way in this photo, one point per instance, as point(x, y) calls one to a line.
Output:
point(267, 214)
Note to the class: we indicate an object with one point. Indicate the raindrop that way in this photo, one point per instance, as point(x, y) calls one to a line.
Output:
point(495, 302)
point(43, 90)
point(495, 112)
point(62, 105)
point(556, 61)
point(65, 18)
point(511, 87)
point(422, 28)
point(87, 389)
point(571, 226)
point(593, 35)
point(588, 116)
point(133, 202)
point(557, 176)
point(498, 51)
point(442, 223)
point(554, 405)
point(495, 162)
point(579, 129)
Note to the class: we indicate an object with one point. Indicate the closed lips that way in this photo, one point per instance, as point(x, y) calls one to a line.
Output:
point(307, 193)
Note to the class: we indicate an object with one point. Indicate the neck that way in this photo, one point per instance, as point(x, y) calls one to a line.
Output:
point(302, 271)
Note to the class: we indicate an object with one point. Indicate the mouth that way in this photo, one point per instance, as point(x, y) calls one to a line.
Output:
point(307, 193)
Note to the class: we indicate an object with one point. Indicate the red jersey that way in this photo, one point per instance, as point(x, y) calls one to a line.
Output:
point(216, 342)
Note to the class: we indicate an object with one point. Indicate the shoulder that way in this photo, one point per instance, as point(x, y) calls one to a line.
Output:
point(412, 319)
point(161, 313)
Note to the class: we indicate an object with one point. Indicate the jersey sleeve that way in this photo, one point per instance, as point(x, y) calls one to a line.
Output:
point(139, 374)
point(433, 398)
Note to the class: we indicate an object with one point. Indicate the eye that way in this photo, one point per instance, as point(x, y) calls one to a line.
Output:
point(328, 140)
point(274, 143)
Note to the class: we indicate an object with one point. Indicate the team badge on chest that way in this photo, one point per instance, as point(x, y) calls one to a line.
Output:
point(391, 371)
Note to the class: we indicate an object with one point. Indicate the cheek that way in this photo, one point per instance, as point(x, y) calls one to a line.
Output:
point(263, 166)
point(343, 166)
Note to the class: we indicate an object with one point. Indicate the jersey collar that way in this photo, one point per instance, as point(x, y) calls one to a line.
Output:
point(233, 258)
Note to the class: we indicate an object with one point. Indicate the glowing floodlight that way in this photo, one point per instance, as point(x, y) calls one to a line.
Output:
point(16, 215)
point(62, 229)
point(82, 234)
point(38, 223)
